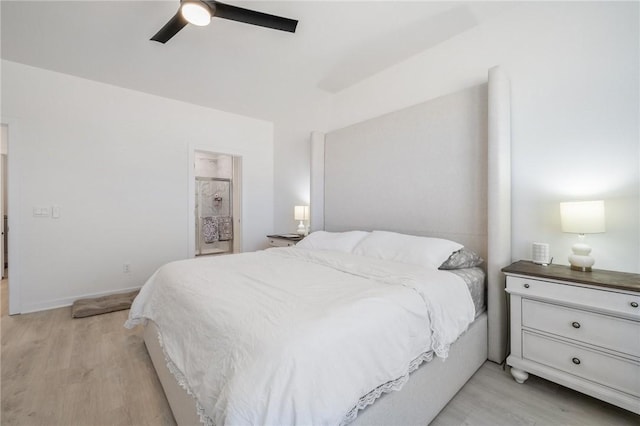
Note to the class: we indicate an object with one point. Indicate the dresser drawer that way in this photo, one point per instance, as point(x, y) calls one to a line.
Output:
point(606, 301)
point(615, 372)
point(605, 331)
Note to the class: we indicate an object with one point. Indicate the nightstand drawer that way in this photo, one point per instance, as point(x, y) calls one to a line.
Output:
point(281, 242)
point(605, 331)
point(615, 372)
point(627, 305)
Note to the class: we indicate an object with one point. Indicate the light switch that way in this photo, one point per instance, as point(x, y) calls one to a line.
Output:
point(55, 212)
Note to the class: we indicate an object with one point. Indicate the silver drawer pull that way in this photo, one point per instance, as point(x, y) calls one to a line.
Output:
point(634, 304)
point(575, 324)
point(527, 286)
point(576, 361)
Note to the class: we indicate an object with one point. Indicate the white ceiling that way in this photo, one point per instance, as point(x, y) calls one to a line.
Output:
point(228, 65)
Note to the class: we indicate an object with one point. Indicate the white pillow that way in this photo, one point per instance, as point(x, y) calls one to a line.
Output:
point(337, 241)
point(425, 251)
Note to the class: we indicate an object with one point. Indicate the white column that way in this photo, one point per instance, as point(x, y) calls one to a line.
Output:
point(499, 209)
point(317, 181)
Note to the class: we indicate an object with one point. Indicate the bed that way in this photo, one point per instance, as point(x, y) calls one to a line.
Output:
point(362, 295)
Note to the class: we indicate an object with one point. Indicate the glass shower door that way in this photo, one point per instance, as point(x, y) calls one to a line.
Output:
point(214, 220)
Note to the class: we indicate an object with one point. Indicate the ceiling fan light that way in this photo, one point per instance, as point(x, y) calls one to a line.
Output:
point(196, 13)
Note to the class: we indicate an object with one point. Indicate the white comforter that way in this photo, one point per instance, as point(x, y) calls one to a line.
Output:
point(292, 336)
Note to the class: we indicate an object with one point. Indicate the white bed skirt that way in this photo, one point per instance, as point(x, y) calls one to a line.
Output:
point(420, 400)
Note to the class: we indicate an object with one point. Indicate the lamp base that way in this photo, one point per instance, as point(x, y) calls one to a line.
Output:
point(581, 268)
point(302, 229)
point(580, 259)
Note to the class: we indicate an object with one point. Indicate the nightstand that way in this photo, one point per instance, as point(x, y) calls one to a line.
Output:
point(284, 240)
point(578, 329)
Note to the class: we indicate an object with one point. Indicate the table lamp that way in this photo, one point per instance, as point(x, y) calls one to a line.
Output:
point(582, 217)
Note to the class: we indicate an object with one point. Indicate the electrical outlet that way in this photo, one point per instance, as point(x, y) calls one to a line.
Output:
point(39, 211)
point(126, 268)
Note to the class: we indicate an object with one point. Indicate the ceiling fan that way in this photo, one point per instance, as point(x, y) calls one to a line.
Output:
point(200, 12)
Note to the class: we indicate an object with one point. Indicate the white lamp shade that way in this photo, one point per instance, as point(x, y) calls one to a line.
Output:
point(196, 13)
point(582, 217)
point(301, 213)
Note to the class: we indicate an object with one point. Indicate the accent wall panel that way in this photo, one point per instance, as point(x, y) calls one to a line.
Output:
point(421, 170)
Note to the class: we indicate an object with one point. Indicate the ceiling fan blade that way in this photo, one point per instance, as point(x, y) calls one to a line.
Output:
point(235, 13)
point(170, 29)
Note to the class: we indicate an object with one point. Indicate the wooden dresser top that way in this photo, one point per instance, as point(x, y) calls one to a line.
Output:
point(602, 278)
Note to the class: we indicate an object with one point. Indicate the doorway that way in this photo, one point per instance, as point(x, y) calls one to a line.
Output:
point(216, 203)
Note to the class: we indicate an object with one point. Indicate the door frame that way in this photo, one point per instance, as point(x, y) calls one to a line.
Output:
point(14, 133)
point(5, 236)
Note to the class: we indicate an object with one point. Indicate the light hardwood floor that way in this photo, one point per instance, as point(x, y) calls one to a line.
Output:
point(62, 371)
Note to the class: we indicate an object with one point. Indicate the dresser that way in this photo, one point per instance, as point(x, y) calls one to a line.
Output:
point(578, 329)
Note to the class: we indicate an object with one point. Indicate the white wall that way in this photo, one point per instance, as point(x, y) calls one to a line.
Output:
point(116, 162)
point(575, 114)
point(292, 145)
